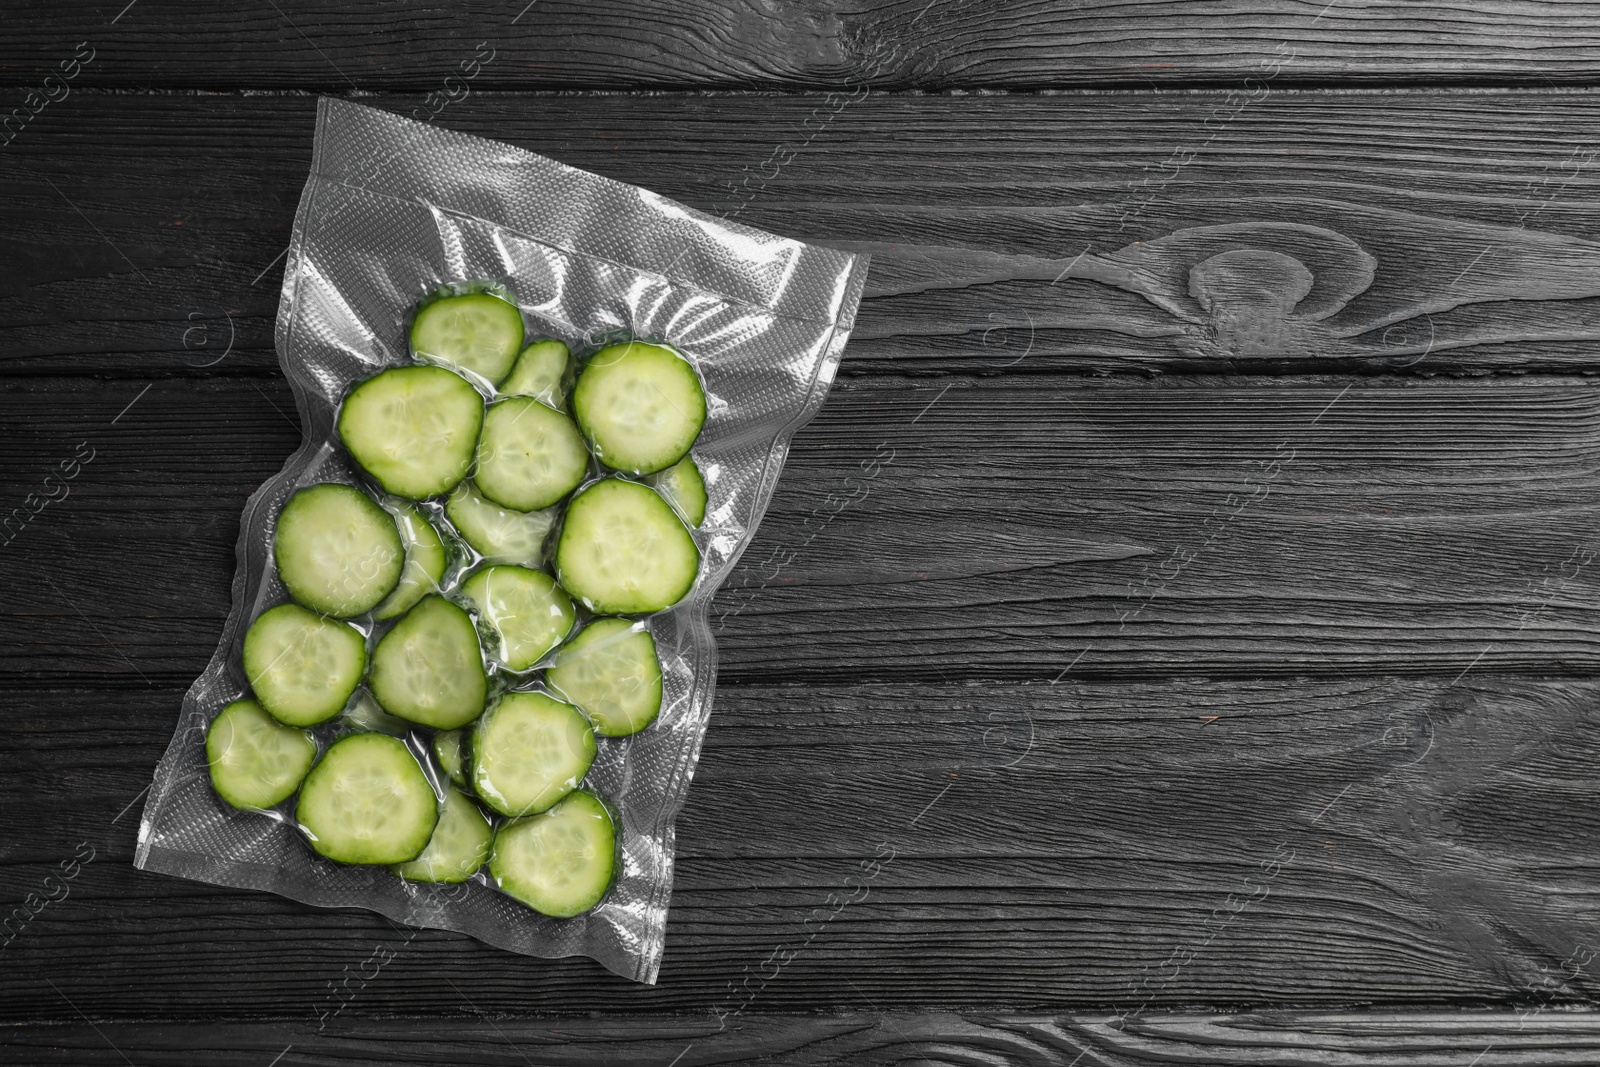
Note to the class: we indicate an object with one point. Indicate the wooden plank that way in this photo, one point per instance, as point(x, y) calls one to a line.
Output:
point(1008, 526)
point(1120, 232)
point(859, 1039)
point(732, 44)
point(1135, 847)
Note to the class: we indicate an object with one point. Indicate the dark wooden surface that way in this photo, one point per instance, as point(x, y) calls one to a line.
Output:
point(811, 44)
point(1189, 588)
point(861, 1039)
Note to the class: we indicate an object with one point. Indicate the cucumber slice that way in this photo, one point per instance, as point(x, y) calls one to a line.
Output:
point(526, 609)
point(529, 455)
point(544, 371)
point(684, 489)
point(256, 761)
point(529, 751)
point(611, 673)
point(302, 666)
point(640, 406)
point(337, 551)
point(458, 847)
point(500, 535)
point(449, 749)
point(413, 429)
point(474, 333)
point(426, 560)
point(623, 551)
point(367, 801)
point(428, 668)
point(560, 863)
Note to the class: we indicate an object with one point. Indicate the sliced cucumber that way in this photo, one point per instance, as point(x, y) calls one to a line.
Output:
point(473, 333)
point(684, 489)
point(640, 406)
point(367, 801)
point(425, 563)
point(500, 535)
point(302, 666)
point(529, 455)
point(448, 749)
point(458, 847)
point(256, 761)
point(529, 751)
point(624, 551)
point(611, 673)
point(414, 429)
point(560, 863)
point(544, 371)
point(525, 608)
point(428, 669)
point(337, 551)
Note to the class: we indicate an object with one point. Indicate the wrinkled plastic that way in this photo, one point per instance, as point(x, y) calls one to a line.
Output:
point(394, 208)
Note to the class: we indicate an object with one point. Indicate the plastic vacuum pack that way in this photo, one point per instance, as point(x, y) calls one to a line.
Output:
point(395, 210)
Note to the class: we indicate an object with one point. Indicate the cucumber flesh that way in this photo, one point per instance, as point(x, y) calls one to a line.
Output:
point(428, 669)
point(474, 334)
point(683, 488)
point(413, 429)
point(528, 752)
point(458, 847)
point(640, 406)
point(560, 863)
point(302, 666)
point(337, 551)
point(256, 761)
point(499, 535)
point(526, 609)
point(624, 551)
point(367, 801)
point(425, 563)
point(544, 371)
point(448, 746)
point(529, 455)
point(612, 674)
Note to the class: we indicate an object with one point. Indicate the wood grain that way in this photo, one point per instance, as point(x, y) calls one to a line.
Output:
point(744, 44)
point(1005, 526)
point(1117, 232)
point(1097, 699)
point(1127, 846)
point(1293, 1039)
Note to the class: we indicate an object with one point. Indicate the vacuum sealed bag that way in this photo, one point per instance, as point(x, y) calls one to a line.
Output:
point(468, 666)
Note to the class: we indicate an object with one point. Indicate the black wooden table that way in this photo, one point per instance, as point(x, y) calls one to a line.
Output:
point(1187, 595)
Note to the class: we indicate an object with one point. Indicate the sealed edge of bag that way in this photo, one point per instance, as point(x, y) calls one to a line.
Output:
point(634, 232)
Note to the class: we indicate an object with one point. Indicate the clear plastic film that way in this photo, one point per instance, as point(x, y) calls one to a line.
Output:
point(392, 210)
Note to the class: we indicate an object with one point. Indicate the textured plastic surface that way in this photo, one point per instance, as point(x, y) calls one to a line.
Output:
point(392, 209)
